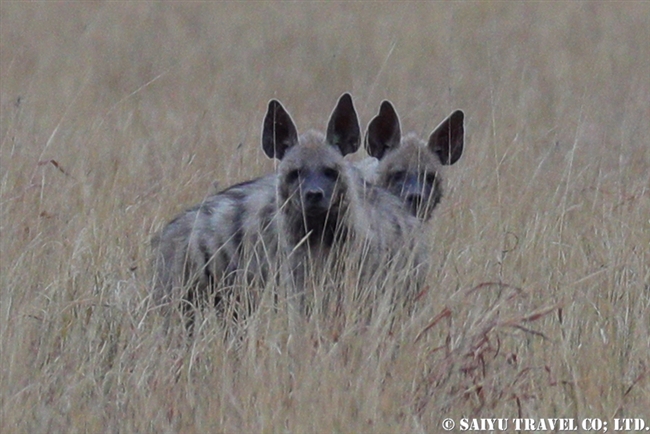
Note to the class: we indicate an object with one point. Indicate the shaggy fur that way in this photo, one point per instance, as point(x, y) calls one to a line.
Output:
point(288, 227)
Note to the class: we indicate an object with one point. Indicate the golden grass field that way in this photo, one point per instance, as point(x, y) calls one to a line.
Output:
point(116, 116)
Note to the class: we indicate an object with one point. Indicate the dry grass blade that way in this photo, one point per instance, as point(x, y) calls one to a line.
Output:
point(146, 106)
point(446, 313)
point(55, 164)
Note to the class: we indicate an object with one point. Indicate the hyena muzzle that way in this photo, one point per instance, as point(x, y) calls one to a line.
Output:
point(409, 167)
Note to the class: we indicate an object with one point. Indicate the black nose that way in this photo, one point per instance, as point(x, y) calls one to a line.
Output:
point(312, 197)
point(414, 201)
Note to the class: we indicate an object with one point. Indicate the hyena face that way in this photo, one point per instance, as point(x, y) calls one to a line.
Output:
point(311, 176)
point(410, 168)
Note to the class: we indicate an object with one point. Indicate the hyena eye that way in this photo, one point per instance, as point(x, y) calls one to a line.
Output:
point(293, 176)
point(430, 177)
point(397, 177)
point(331, 174)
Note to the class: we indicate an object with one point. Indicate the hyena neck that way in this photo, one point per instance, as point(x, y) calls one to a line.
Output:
point(319, 232)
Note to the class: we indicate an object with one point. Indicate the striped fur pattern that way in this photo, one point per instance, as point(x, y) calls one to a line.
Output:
point(286, 226)
point(230, 237)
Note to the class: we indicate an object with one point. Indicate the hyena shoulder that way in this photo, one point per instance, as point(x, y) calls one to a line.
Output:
point(204, 243)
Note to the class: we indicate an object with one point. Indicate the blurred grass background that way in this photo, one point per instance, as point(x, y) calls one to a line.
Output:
point(116, 116)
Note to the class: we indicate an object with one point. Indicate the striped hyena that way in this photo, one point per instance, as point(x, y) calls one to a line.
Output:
point(243, 233)
point(329, 216)
point(313, 205)
point(408, 167)
point(229, 238)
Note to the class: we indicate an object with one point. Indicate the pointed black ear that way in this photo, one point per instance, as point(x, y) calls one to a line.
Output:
point(448, 138)
point(343, 129)
point(384, 132)
point(278, 131)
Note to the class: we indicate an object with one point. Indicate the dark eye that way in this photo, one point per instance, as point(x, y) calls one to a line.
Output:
point(330, 173)
point(293, 176)
point(397, 177)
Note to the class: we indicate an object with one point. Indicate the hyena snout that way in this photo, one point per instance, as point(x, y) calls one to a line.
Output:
point(420, 193)
point(314, 198)
point(317, 192)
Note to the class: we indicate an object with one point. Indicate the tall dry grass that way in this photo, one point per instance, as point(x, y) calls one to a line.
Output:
point(116, 116)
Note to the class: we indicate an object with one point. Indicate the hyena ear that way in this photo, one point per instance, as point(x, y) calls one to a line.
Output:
point(278, 132)
point(384, 132)
point(448, 138)
point(343, 129)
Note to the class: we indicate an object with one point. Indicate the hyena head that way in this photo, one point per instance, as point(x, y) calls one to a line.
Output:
point(408, 167)
point(312, 180)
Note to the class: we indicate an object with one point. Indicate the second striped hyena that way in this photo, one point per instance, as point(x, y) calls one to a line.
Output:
point(408, 167)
